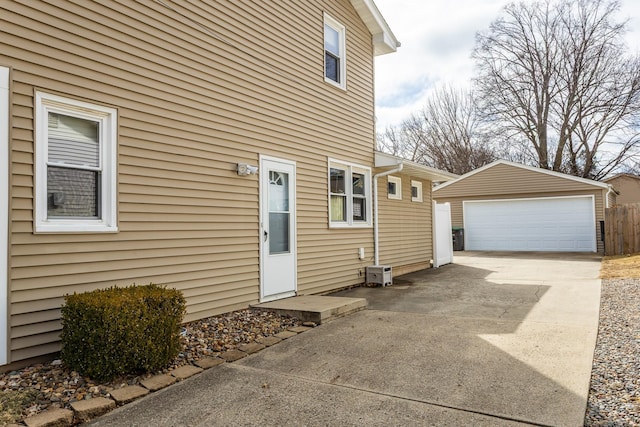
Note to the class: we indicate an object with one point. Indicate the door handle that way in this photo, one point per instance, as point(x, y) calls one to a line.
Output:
point(266, 234)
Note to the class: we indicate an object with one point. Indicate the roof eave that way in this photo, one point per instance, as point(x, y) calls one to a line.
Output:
point(384, 41)
point(416, 170)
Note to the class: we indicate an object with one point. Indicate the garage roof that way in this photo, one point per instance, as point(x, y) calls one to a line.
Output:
point(524, 167)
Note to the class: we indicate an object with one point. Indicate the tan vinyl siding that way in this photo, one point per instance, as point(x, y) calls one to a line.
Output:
point(198, 88)
point(405, 227)
point(627, 186)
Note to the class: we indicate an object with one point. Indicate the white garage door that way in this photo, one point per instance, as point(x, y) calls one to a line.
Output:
point(550, 224)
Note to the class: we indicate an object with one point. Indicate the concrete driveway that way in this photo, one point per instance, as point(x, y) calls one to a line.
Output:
point(496, 339)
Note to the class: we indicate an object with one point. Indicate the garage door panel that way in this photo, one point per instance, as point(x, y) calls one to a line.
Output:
point(553, 224)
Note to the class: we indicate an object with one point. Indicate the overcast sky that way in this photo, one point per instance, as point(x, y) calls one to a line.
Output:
point(437, 37)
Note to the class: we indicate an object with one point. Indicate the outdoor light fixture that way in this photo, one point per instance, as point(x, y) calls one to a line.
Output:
point(245, 169)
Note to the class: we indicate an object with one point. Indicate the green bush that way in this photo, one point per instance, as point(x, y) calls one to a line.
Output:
point(117, 331)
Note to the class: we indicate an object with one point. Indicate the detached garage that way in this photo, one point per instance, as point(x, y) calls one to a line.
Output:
point(507, 206)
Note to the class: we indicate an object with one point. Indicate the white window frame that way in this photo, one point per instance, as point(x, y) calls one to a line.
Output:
point(398, 182)
point(350, 168)
point(418, 186)
point(342, 57)
point(107, 117)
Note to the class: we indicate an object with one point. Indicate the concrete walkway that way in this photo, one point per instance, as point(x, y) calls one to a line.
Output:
point(493, 340)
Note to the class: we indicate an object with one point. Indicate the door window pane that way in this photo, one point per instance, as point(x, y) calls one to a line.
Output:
point(278, 232)
point(278, 212)
point(278, 191)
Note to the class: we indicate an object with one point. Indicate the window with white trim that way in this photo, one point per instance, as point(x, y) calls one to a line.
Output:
point(394, 187)
point(349, 195)
point(335, 64)
point(75, 166)
point(416, 191)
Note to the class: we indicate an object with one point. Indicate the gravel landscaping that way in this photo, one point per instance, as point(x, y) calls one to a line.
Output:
point(42, 387)
point(614, 395)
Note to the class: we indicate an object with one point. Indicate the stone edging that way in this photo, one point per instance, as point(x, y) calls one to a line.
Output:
point(85, 410)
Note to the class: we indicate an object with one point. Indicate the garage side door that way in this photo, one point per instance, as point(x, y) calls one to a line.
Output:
point(548, 224)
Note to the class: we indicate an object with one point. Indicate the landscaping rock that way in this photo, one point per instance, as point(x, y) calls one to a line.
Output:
point(51, 418)
point(269, 341)
point(299, 329)
point(209, 362)
point(233, 355)
point(285, 335)
point(184, 372)
point(127, 394)
point(88, 409)
point(157, 382)
point(251, 347)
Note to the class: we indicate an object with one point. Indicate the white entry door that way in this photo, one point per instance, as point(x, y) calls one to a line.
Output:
point(277, 228)
point(442, 239)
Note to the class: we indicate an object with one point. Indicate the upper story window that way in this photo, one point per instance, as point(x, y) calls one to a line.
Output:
point(334, 52)
point(394, 187)
point(349, 195)
point(75, 166)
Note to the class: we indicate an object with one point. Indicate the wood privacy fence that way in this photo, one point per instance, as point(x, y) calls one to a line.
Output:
point(622, 229)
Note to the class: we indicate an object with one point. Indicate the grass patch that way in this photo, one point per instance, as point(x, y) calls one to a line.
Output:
point(14, 403)
point(621, 267)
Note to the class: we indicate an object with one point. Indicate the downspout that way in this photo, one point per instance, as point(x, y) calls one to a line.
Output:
point(376, 250)
point(606, 196)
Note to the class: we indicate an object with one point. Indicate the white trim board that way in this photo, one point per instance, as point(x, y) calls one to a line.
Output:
point(4, 214)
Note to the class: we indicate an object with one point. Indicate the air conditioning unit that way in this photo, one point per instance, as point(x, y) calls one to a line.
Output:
point(379, 275)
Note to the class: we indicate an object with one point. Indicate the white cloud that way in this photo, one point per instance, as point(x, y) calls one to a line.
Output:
point(437, 38)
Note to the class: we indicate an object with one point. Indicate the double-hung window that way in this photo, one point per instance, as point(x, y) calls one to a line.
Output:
point(75, 166)
point(334, 52)
point(349, 195)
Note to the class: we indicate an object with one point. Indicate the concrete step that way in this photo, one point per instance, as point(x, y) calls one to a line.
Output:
point(314, 308)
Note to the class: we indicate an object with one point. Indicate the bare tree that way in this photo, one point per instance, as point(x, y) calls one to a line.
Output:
point(446, 134)
point(555, 77)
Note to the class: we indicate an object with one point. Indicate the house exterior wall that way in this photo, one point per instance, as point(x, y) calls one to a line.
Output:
point(503, 181)
point(199, 87)
point(405, 227)
point(628, 187)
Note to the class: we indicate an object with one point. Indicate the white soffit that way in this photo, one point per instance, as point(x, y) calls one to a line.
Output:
point(384, 41)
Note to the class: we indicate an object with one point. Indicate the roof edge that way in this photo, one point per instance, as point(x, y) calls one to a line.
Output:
point(384, 41)
point(383, 160)
point(526, 167)
point(628, 175)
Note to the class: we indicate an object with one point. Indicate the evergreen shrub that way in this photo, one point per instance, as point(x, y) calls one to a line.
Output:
point(121, 330)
